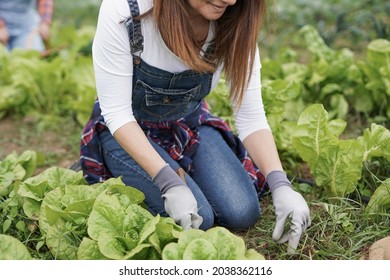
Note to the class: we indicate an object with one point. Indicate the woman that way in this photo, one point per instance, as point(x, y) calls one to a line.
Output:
point(25, 23)
point(150, 120)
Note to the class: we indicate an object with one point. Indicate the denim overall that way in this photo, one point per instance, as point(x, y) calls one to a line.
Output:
point(22, 20)
point(164, 103)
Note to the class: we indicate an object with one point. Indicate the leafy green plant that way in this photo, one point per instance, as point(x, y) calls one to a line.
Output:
point(375, 142)
point(33, 190)
point(277, 93)
point(335, 163)
point(12, 249)
point(377, 76)
point(121, 229)
point(78, 13)
point(60, 216)
point(339, 22)
point(379, 203)
point(343, 84)
point(52, 87)
point(17, 167)
point(217, 243)
point(14, 169)
point(64, 213)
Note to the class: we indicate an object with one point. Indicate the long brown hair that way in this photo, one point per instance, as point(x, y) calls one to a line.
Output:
point(235, 42)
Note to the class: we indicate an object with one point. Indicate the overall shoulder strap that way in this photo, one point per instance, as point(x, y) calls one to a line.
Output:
point(134, 29)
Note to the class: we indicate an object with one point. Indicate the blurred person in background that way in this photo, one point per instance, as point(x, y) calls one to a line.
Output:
point(25, 23)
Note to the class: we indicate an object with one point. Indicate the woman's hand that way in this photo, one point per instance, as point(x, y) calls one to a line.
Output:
point(44, 31)
point(179, 202)
point(290, 206)
point(181, 205)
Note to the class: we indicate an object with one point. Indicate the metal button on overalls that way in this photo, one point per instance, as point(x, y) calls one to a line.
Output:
point(166, 100)
point(137, 60)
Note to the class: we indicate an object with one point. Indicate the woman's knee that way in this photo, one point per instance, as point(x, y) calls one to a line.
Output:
point(207, 214)
point(240, 216)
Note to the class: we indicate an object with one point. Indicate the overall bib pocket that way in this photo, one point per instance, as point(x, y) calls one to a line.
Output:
point(159, 104)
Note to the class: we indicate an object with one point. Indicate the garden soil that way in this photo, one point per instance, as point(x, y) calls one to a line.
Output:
point(18, 135)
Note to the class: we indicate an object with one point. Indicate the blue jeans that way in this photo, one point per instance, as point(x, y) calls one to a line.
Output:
point(22, 21)
point(30, 40)
point(223, 190)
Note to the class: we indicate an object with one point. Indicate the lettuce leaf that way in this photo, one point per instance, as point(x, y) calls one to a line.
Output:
point(336, 164)
point(217, 243)
point(13, 249)
point(339, 167)
point(376, 142)
point(380, 200)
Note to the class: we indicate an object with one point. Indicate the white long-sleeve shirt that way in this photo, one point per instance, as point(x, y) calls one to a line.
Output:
point(113, 65)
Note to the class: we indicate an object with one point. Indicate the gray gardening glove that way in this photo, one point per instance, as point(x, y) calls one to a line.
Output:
point(288, 204)
point(179, 202)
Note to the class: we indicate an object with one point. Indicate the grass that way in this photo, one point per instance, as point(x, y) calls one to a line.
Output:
point(340, 230)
